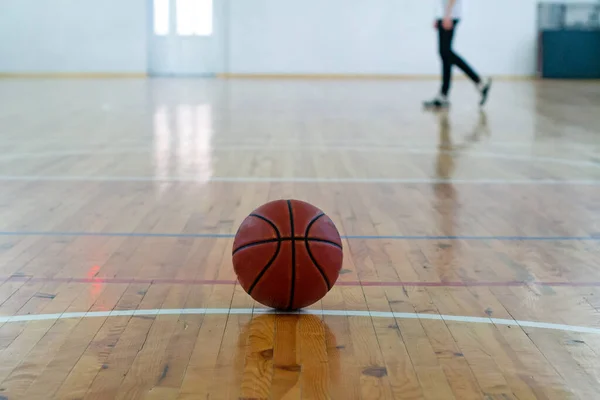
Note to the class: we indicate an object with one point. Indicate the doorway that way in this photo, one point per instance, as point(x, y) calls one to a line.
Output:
point(186, 38)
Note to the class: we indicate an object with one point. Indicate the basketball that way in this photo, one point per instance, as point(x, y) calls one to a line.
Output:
point(287, 254)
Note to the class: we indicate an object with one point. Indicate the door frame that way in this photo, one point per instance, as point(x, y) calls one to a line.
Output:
point(220, 35)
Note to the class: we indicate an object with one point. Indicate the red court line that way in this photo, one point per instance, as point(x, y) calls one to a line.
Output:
point(174, 281)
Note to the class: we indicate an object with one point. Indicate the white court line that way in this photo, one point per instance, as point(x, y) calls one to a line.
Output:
point(63, 153)
point(259, 179)
point(261, 141)
point(361, 149)
point(263, 311)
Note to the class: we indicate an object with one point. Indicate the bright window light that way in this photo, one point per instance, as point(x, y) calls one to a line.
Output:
point(194, 17)
point(161, 17)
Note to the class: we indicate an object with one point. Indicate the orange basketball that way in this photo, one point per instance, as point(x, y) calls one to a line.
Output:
point(287, 254)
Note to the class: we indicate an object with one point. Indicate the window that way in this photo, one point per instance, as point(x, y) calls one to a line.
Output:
point(192, 17)
point(161, 17)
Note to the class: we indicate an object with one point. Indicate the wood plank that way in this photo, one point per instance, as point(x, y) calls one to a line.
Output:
point(258, 370)
point(198, 374)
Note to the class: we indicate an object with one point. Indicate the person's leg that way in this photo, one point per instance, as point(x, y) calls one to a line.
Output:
point(445, 42)
point(482, 85)
point(459, 62)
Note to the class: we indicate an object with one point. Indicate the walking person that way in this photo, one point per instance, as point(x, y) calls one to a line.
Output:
point(448, 18)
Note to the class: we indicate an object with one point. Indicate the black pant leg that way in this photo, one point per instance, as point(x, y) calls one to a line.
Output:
point(445, 42)
point(449, 57)
point(462, 64)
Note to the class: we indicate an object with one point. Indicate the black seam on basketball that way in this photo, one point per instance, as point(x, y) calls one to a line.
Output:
point(291, 302)
point(310, 254)
point(309, 239)
point(284, 239)
point(310, 224)
point(264, 270)
point(266, 267)
point(245, 246)
point(268, 221)
point(316, 264)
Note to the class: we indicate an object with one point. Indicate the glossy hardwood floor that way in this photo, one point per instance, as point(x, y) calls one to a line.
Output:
point(471, 240)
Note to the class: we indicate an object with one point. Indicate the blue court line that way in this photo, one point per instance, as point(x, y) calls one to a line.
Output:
point(364, 237)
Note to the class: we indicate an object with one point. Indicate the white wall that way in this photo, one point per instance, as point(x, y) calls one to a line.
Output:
point(376, 36)
point(73, 36)
point(272, 36)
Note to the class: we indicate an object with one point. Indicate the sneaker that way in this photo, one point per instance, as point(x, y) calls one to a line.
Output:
point(438, 102)
point(484, 89)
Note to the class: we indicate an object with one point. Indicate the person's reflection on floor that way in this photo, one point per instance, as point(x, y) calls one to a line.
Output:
point(448, 152)
point(446, 205)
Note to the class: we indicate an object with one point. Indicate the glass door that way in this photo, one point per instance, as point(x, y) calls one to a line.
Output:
point(186, 38)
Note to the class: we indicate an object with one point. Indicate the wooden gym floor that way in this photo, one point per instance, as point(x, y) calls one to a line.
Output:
point(471, 240)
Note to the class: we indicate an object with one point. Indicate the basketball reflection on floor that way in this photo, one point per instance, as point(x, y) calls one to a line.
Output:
point(289, 355)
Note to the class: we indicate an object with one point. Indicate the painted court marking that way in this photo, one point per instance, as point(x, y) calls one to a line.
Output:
point(361, 149)
point(145, 141)
point(258, 179)
point(225, 282)
point(346, 313)
point(363, 237)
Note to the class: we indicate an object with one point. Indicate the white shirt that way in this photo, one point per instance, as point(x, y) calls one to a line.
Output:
point(456, 10)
